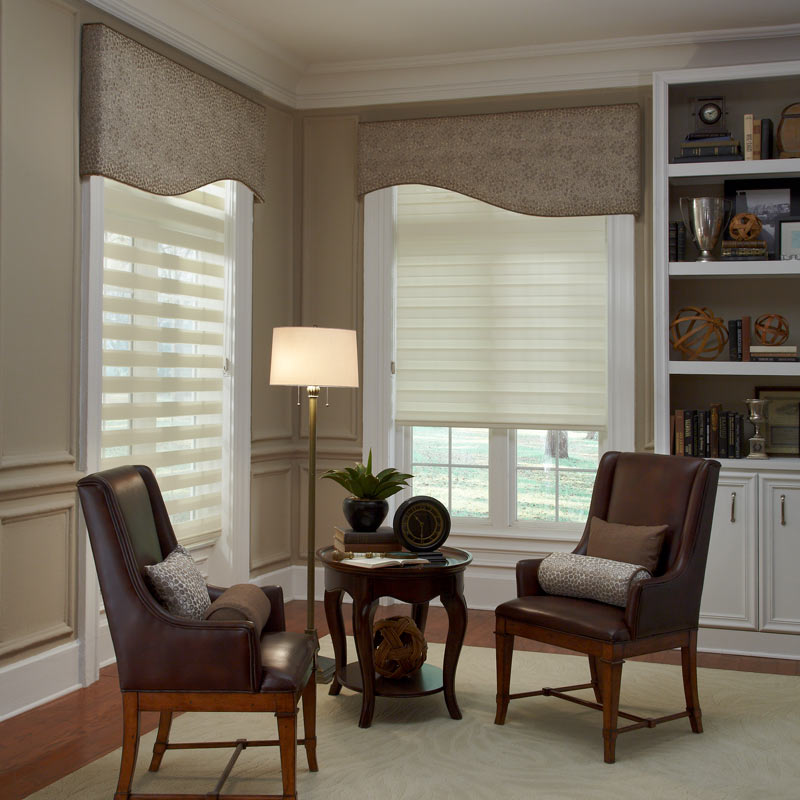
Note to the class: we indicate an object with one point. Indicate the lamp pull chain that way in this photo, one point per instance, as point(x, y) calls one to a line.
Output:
point(327, 396)
point(298, 395)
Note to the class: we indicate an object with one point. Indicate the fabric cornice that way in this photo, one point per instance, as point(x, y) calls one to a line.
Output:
point(151, 123)
point(553, 163)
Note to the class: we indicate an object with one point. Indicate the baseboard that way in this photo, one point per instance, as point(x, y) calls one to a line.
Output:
point(58, 670)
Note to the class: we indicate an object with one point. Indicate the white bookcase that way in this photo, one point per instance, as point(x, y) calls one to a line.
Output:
point(749, 598)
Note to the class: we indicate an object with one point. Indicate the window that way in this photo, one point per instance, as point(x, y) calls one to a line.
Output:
point(506, 368)
point(168, 343)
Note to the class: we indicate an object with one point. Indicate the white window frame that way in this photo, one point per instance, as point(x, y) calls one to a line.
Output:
point(227, 558)
point(390, 443)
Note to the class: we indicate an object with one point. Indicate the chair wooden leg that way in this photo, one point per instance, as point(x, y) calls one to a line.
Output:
point(598, 694)
point(689, 664)
point(130, 744)
point(504, 651)
point(287, 736)
point(160, 745)
point(310, 722)
point(610, 679)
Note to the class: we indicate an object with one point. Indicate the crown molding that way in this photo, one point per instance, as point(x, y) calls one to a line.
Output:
point(195, 29)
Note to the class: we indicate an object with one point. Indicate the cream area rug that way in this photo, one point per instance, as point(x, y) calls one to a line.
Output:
point(546, 749)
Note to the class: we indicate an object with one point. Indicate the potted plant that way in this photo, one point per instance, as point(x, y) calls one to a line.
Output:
point(366, 508)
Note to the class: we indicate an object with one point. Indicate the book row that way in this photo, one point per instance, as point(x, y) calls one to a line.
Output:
point(708, 433)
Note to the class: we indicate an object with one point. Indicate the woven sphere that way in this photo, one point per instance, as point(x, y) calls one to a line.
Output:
point(744, 227)
point(771, 329)
point(698, 334)
point(400, 647)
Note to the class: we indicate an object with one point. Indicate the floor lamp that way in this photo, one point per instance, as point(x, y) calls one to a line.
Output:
point(313, 357)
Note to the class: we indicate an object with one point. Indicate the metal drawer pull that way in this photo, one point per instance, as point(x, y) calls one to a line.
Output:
point(783, 509)
point(733, 506)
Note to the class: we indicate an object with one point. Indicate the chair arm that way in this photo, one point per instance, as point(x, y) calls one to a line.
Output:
point(528, 577)
point(277, 615)
point(670, 602)
point(161, 652)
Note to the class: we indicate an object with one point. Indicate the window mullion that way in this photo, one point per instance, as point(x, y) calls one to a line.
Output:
point(502, 478)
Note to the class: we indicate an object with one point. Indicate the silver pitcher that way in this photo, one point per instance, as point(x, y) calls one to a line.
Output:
point(704, 217)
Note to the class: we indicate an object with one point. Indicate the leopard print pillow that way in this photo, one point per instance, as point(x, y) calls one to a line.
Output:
point(573, 575)
point(178, 585)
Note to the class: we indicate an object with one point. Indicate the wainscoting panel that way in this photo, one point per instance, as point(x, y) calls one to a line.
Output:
point(271, 514)
point(37, 565)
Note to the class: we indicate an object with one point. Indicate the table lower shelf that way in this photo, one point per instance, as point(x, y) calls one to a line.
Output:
point(425, 681)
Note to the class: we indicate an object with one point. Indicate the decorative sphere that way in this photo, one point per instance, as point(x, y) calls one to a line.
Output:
point(400, 647)
point(744, 227)
point(771, 329)
point(698, 334)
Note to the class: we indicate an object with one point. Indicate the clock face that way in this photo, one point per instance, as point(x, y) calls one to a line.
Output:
point(710, 113)
point(422, 523)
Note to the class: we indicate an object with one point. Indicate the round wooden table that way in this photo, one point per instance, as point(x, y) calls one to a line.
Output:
point(410, 584)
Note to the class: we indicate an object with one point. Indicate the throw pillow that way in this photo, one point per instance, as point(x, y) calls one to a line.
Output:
point(572, 575)
point(633, 544)
point(243, 601)
point(178, 585)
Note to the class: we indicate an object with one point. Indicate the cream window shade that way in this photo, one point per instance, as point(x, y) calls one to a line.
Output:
point(163, 339)
point(501, 317)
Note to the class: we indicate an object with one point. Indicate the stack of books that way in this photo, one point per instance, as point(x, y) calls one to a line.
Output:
point(711, 433)
point(383, 540)
point(677, 241)
point(757, 138)
point(713, 147)
point(773, 352)
point(755, 250)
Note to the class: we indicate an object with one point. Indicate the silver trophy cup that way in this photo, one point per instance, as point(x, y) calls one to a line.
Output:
point(758, 416)
point(704, 217)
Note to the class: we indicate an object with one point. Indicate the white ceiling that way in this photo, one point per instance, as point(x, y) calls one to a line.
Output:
point(330, 31)
point(318, 53)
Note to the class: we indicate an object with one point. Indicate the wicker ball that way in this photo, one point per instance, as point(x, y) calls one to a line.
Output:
point(400, 647)
point(698, 334)
point(744, 227)
point(771, 329)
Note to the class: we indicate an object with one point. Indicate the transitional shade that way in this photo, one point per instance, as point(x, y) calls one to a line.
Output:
point(552, 163)
point(163, 331)
point(501, 317)
point(156, 125)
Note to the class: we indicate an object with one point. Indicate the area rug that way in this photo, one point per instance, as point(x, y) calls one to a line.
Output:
point(546, 749)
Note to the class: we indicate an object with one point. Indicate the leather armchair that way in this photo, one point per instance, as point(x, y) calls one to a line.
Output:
point(167, 663)
point(661, 612)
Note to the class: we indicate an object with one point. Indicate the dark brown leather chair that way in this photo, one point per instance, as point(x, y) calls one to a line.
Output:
point(168, 663)
point(662, 612)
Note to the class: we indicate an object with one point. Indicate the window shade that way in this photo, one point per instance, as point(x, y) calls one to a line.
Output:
point(501, 317)
point(163, 332)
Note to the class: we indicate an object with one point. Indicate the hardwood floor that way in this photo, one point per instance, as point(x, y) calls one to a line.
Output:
point(42, 745)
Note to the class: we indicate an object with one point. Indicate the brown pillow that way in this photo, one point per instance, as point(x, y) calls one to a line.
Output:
point(242, 601)
point(634, 544)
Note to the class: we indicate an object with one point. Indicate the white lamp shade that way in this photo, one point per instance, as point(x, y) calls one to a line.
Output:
point(314, 357)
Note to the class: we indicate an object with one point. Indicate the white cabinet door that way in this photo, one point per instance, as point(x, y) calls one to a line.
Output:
point(780, 553)
point(729, 593)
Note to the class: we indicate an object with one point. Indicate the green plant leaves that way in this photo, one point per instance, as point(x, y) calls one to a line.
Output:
point(362, 484)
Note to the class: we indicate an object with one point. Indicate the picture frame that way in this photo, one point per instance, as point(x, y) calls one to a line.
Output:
point(783, 419)
point(771, 199)
point(789, 238)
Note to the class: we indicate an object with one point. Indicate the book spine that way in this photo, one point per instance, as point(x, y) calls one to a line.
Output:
point(745, 339)
point(679, 432)
point(784, 359)
point(732, 353)
point(737, 437)
point(695, 433)
point(731, 434)
point(355, 547)
point(756, 140)
point(738, 340)
point(711, 150)
point(766, 138)
point(723, 434)
point(748, 137)
point(688, 430)
point(384, 535)
point(706, 432)
point(713, 443)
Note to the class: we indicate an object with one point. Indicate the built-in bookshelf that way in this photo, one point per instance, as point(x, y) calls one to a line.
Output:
point(731, 289)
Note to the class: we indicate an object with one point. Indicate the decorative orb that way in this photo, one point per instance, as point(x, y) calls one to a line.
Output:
point(744, 227)
point(771, 329)
point(698, 334)
point(400, 647)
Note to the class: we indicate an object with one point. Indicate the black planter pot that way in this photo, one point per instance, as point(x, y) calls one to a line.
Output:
point(364, 515)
